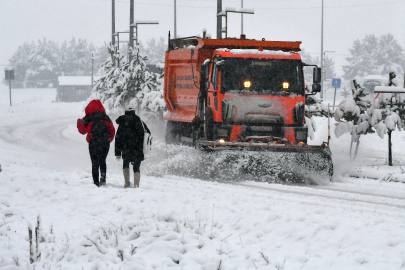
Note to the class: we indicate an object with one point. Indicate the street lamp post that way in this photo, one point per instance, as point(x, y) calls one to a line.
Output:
point(175, 19)
point(241, 18)
point(136, 30)
point(219, 19)
point(117, 34)
point(93, 56)
point(136, 27)
point(322, 52)
point(232, 10)
point(113, 22)
point(323, 69)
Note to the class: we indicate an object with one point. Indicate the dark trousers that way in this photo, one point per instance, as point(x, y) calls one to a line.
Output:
point(136, 165)
point(98, 155)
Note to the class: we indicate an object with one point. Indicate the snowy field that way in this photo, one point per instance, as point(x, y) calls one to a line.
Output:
point(355, 222)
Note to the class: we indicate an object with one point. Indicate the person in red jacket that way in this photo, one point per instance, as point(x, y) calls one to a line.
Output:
point(100, 133)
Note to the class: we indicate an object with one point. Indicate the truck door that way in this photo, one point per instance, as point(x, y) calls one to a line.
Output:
point(213, 94)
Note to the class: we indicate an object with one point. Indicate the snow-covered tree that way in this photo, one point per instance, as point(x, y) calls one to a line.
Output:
point(43, 60)
point(329, 67)
point(104, 88)
point(19, 62)
point(388, 112)
point(129, 83)
point(374, 56)
point(37, 64)
point(345, 92)
point(360, 114)
point(352, 117)
point(75, 57)
point(102, 56)
point(313, 107)
point(155, 50)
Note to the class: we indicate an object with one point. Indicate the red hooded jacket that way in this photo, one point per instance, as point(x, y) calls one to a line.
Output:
point(95, 110)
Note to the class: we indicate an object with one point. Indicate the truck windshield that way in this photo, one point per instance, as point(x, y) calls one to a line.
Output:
point(264, 76)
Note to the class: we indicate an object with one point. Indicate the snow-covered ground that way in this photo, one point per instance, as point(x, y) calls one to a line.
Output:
point(355, 222)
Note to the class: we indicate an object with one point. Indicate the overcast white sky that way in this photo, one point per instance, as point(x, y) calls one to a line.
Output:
point(290, 20)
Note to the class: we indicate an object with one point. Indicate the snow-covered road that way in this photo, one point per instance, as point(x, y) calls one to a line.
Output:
point(180, 223)
point(327, 192)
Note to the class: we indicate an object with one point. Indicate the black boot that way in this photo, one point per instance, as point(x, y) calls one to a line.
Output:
point(103, 179)
point(95, 176)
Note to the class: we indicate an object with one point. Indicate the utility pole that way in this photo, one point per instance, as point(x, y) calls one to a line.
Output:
point(322, 53)
point(175, 20)
point(131, 29)
point(219, 19)
point(241, 18)
point(93, 56)
point(113, 22)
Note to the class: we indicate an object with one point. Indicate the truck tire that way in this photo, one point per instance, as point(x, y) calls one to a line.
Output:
point(171, 136)
point(209, 125)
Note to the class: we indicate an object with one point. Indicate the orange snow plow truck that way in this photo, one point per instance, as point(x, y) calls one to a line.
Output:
point(242, 104)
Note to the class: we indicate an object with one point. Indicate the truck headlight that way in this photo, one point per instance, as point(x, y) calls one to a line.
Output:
point(286, 85)
point(247, 84)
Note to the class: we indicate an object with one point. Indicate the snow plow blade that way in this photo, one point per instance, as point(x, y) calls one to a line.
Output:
point(253, 161)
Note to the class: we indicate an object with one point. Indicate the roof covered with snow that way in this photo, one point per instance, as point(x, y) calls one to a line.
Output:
point(376, 77)
point(76, 80)
point(388, 89)
point(255, 52)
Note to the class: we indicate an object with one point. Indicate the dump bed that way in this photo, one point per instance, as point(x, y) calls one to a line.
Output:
point(182, 82)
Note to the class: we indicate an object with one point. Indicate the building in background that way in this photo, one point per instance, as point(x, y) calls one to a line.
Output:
point(73, 88)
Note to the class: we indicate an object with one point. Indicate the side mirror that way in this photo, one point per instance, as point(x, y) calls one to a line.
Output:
point(205, 71)
point(317, 75)
point(316, 88)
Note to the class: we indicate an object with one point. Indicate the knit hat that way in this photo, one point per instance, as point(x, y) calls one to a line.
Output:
point(129, 108)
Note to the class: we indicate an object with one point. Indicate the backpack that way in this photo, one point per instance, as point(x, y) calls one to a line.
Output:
point(147, 143)
point(99, 131)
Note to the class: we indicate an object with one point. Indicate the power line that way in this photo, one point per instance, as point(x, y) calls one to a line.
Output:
point(270, 8)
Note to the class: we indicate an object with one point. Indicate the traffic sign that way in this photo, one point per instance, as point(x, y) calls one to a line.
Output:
point(9, 74)
point(336, 82)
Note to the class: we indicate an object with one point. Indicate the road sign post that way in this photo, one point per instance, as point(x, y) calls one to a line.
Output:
point(336, 83)
point(9, 76)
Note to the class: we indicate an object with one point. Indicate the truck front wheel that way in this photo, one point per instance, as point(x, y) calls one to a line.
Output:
point(209, 125)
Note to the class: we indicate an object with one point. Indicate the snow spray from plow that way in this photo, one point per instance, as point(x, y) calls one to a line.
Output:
point(309, 167)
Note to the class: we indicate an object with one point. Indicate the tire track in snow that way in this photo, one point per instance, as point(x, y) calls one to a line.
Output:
point(332, 196)
point(44, 142)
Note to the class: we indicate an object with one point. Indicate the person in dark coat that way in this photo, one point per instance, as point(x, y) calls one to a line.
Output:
point(129, 143)
point(100, 133)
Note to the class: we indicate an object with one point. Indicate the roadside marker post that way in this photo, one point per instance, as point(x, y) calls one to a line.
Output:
point(9, 76)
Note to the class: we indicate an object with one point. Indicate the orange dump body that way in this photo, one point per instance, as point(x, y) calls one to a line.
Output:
point(182, 82)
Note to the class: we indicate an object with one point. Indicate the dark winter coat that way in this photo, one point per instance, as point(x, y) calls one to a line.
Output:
point(129, 138)
point(95, 113)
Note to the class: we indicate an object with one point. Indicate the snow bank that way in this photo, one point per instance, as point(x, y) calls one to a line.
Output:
point(174, 222)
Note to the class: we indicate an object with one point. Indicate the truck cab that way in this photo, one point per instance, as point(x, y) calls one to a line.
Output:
point(256, 93)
